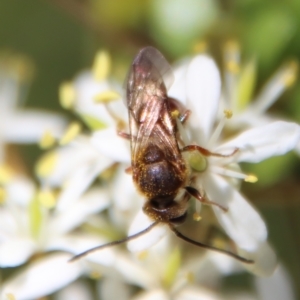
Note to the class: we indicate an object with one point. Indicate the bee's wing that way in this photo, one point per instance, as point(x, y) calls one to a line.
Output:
point(146, 99)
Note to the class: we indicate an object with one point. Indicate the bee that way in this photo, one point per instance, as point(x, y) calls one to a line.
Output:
point(159, 169)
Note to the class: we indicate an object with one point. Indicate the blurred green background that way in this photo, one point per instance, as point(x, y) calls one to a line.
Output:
point(62, 36)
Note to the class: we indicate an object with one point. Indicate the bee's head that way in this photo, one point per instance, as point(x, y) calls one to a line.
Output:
point(166, 209)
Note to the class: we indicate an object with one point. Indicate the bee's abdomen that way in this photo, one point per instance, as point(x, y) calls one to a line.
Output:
point(158, 179)
point(155, 176)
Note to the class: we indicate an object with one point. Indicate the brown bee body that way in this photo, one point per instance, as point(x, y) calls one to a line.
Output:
point(158, 167)
point(159, 170)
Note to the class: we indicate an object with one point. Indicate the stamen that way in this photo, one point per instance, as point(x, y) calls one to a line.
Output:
point(143, 255)
point(2, 195)
point(228, 113)
point(251, 178)
point(10, 296)
point(190, 276)
point(6, 174)
point(290, 75)
point(172, 265)
point(102, 65)
point(95, 275)
point(71, 133)
point(67, 95)
point(245, 85)
point(232, 56)
point(35, 217)
point(47, 140)
point(232, 69)
point(217, 132)
point(47, 198)
point(200, 47)
point(196, 216)
point(274, 88)
point(46, 164)
point(234, 174)
point(106, 97)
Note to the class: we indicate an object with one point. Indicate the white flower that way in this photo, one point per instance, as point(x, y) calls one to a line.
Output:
point(21, 125)
point(242, 223)
point(217, 176)
point(81, 158)
point(250, 110)
point(30, 223)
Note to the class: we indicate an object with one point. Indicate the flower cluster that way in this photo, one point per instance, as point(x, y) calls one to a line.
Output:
point(85, 198)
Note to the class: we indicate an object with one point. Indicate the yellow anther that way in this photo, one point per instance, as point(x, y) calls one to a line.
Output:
point(218, 243)
point(95, 275)
point(175, 114)
point(290, 74)
point(143, 255)
point(232, 46)
point(102, 65)
point(71, 133)
point(47, 140)
point(21, 65)
point(2, 195)
point(46, 164)
point(251, 178)
point(190, 277)
point(10, 297)
point(200, 47)
point(107, 96)
point(47, 198)
point(228, 113)
point(6, 174)
point(233, 67)
point(67, 95)
point(196, 217)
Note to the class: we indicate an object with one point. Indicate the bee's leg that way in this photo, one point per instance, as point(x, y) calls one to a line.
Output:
point(206, 152)
point(183, 118)
point(124, 135)
point(128, 170)
point(196, 194)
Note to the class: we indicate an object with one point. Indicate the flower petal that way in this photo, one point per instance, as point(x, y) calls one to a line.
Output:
point(125, 198)
point(278, 286)
point(141, 222)
point(92, 202)
point(264, 258)
point(61, 164)
point(195, 293)
point(28, 126)
point(43, 277)
point(242, 222)
point(178, 88)
point(80, 181)
point(16, 251)
point(87, 88)
point(203, 93)
point(78, 290)
point(113, 288)
point(259, 143)
point(20, 190)
point(157, 294)
point(109, 144)
point(76, 243)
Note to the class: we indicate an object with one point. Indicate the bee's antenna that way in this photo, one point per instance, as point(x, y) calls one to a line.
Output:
point(183, 237)
point(114, 243)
